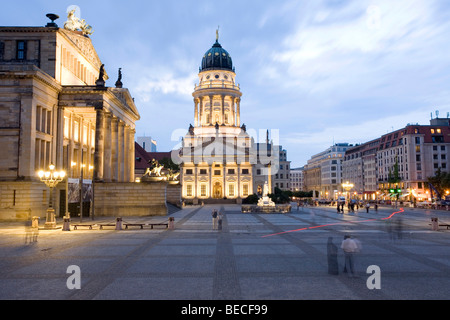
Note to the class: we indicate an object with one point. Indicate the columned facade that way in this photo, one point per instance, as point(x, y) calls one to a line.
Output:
point(56, 113)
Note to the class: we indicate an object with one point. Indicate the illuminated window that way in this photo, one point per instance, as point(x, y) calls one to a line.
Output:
point(76, 129)
point(92, 138)
point(231, 190)
point(85, 134)
point(203, 190)
point(438, 130)
point(245, 189)
point(189, 190)
point(66, 127)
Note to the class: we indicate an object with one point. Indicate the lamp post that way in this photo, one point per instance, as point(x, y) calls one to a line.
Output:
point(347, 187)
point(51, 178)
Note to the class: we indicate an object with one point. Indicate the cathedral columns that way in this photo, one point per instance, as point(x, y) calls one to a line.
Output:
point(196, 113)
point(238, 112)
point(223, 109)
point(211, 108)
point(201, 110)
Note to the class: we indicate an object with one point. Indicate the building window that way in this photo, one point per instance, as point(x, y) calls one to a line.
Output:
point(203, 190)
point(217, 172)
point(417, 140)
point(76, 129)
point(85, 135)
point(189, 190)
point(21, 50)
point(66, 127)
point(188, 171)
point(203, 171)
point(231, 190)
point(245, 189)
point(230, 171)
point(244, 171)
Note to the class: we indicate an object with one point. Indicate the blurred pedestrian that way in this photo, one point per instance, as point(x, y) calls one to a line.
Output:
point(214, 219)
point(349, 247)
point(219, 221)
point(332, 252)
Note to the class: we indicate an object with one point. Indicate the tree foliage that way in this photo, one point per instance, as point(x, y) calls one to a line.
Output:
point(440, 181)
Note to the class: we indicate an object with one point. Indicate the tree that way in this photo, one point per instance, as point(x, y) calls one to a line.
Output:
point(440, 181)
point(169, 164)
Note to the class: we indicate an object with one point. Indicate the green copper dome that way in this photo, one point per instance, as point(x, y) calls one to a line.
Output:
point(216, 58)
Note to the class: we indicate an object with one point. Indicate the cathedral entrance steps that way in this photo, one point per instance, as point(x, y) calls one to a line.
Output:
point(219, 201)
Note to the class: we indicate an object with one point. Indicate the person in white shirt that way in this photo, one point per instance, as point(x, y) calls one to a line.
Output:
point(349, 247)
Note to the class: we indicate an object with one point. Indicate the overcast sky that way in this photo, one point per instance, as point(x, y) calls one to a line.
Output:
point(312, 72)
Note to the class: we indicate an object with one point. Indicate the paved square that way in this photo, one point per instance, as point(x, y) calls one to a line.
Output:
point(254, 256)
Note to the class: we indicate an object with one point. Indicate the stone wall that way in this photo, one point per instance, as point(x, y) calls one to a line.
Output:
point(21, 200)
point(130, 199)
point(174, 194)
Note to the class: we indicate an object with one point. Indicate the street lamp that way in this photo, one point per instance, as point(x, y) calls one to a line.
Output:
point(347, 187)
point(51, 179)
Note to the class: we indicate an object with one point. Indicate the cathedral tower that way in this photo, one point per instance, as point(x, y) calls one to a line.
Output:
point(216, 150)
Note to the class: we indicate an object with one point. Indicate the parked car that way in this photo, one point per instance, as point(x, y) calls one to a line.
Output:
point(423, 204)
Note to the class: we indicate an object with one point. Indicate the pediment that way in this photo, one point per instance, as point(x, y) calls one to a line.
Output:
point(84, 45)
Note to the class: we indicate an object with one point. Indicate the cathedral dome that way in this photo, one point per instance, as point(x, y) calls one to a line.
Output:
point(216, 58)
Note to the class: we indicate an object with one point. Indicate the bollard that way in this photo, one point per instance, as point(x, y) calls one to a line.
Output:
point(66, 224)
point(119, 224)
point(171, 223)
point(435, 224)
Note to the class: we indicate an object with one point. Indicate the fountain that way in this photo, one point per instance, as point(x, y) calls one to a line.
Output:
point(265, 201)
point(266, 205)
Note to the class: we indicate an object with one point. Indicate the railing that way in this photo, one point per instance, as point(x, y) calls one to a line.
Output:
point(216, 84)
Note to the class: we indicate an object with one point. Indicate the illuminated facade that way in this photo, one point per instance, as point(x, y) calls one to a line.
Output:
point(54, 110)
point(216, 151)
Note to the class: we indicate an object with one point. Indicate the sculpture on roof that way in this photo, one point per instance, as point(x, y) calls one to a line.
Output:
point(74, 23)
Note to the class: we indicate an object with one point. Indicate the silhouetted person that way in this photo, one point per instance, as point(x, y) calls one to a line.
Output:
point(332, 252)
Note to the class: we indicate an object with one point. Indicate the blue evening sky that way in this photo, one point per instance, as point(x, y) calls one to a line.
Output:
point(312, 72)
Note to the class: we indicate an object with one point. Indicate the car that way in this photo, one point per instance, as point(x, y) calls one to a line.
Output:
point(423, 204)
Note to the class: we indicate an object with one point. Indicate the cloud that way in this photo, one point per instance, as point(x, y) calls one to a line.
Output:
point(358, 132)
point(359, 46)
point(166, 83)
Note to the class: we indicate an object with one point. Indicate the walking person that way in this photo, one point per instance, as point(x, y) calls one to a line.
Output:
point(214, 219)
point(332, 252)
point(367, 207)
point(219, 221)
point(349, 247)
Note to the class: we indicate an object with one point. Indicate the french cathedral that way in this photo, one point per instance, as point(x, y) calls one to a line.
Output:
point(218, 156)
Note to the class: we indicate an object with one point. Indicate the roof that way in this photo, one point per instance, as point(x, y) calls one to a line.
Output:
point(216, 58)
point(143, 157)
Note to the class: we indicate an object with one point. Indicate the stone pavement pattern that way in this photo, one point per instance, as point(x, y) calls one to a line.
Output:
point(250, 259)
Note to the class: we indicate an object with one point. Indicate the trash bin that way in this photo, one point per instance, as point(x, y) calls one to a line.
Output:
point(66, 224)
point(171, 223)
point(35, 222)
point(119, 224)
point(434, 224)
